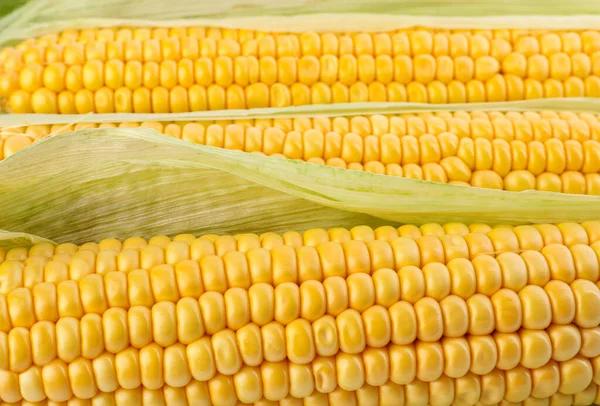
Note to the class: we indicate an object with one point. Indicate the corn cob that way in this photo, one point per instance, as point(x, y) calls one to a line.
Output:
point(547, 151)
point(432, 315)
point(193, 68)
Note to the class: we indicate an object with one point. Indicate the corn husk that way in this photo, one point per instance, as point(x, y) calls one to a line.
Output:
point(93, 184)
point(39, 17)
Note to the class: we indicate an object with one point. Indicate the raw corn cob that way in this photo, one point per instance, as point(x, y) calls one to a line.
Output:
point(182, 69)
point(549, 151)
point(436, 314)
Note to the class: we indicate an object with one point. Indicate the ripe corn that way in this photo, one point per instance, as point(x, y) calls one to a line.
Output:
point(557, 152)
point(436, 314)
point(163, 70)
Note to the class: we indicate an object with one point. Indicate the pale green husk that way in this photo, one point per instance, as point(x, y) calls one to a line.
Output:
point(12, 239)
point(577, 105)
point(94, 184)
point(44, 16)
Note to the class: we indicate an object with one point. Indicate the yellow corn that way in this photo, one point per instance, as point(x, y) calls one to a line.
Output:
point(194, 68)
point(440, 392)
point(403, 323)
point(386, 369)
point(557, 152)
point(436, 314)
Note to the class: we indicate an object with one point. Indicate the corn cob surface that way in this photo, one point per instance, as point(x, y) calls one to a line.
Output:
point(436, 314)
point(548, 151)
point(182, 69)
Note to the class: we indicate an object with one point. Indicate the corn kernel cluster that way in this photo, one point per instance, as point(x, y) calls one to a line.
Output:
point(164, 70)
point(557, 152)
point(437, 314)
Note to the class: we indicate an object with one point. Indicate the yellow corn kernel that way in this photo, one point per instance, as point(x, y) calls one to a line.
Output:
point(387, 289)
point(412, 284)
point(273, 339)
point(261, 297)
point(536, 307)
point(430, 364)
point(43, 343)
point(377, 326)
point(576, 375)
point(487, 270)
point(429, 319)
point(56, 381)
point(566, 341)
point(536, 348)
point(417, 392)
point(351, 332)
point(189, 322)
point(456, 354)
point(248, 384)
point(484, 354)
point(127, 367)
point(480, 314)
point(589, 342)
point(201, 360)
point(586, 294)
point(287, 303)
point(507, 309)
point(361, 291)
point(20, 308)
point(458, 324)
point(403, 321)
point(326, 336)
point(68, 339)
point(32, 383)
point(299, 342)
point(81, 379)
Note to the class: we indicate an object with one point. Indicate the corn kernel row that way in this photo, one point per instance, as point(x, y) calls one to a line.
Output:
point(226, 69)
point(511, 127)
point(497, 239)
point(442, 392)
point(226, 351)
point(366, 396)
point(222, 391)
point(177, 366)
point(415, 39)
point(499, 291)
point(166, 323)
point(282, 70)
point(566, 252)
point(231, 66)
point(49, 293)
point(260, 95)
point(240, 80)
point(182, 42)
point(492, 254)
point(189, 320)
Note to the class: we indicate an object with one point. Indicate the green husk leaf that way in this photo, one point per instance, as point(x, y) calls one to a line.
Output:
point(578, 105)
point(11, 239)
point(94, 184)
point(44, 16)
